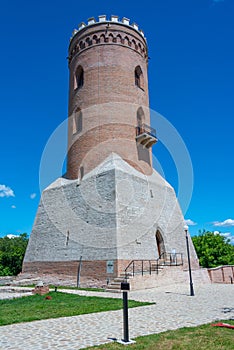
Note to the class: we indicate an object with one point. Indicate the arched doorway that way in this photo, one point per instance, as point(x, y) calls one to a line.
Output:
point(160, 243)
point(140, 117)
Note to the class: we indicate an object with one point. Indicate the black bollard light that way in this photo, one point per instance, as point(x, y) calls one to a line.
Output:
point(125, 287)
point(189, 265)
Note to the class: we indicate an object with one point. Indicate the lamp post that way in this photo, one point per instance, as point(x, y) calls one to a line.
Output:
point(189, 265)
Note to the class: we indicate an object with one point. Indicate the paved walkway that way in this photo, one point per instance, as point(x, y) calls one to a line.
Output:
point(174, 308)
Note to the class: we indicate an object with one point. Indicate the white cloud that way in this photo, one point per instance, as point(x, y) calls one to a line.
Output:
point(225, 234)
point(13, 206)
point(229, 236)
point(6, 191)
point(33, 195)
point(11, 236)
point(190, 222)
point(225, 223)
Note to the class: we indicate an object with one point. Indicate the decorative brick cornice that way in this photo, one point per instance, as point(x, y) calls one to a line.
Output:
point(107, 33)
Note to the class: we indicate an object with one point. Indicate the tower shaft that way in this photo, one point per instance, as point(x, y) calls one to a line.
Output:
point(108, 96)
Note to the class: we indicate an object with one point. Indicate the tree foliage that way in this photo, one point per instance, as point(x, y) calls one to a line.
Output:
point(213, 249)
point(12, 252)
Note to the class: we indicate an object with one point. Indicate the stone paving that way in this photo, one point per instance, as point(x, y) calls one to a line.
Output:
point(8, 292)
point(174, 308)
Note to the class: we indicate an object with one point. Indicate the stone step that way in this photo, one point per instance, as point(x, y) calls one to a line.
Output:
point(114, 286)
point(113, 290)
point(115, 283)
point(118, 279)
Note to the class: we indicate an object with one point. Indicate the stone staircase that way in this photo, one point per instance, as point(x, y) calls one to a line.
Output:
point(144, 269)
point(115, 285)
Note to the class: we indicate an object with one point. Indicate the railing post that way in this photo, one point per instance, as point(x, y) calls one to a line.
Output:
point(133, 268)
point(78, 272)
point(150, 266)
point(142, 267)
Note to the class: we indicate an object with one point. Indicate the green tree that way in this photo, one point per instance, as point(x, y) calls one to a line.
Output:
point(12, 252)
point(213, 249)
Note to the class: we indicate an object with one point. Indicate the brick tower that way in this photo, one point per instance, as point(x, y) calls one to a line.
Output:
point(108, 91)
point(111, 208)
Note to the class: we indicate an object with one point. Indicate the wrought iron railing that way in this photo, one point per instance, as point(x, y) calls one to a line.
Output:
point(149, 266)
point(170, 259)
point(143, 128)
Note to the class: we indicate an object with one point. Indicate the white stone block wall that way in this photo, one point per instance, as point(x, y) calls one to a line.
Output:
point(113, 214)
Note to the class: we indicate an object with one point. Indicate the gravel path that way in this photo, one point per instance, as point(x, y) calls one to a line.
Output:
point(174, 308)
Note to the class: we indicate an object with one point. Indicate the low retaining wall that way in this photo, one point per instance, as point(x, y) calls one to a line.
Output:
point(222, 274)
point(169, 275)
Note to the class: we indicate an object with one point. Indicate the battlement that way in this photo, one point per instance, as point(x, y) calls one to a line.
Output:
point(103, 19)
point(107, 32)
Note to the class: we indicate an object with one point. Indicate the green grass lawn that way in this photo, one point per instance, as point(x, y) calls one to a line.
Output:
point(37, 307)
point(203, 337)
point(89, 289)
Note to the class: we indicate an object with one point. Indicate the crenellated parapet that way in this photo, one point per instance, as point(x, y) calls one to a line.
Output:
point(107, 32)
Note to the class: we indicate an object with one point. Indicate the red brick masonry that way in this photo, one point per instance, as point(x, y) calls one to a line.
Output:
point(89, 269)
point(222, 274)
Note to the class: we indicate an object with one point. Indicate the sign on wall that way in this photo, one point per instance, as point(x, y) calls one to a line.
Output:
point(110, 266)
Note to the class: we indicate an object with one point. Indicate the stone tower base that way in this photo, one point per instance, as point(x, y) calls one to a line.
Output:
point(113, 216)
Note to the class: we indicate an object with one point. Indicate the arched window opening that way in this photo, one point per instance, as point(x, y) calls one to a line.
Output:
point(95, 38)
point(140, 121)
point(127, 41)
point(88, 41)
point(111, 37)
point(77, 122)
point(119, 39)
point(139, 79)
point(82, 45)
point(145, 135)
point(79, 78)
point(140, 116)
point(102, 38)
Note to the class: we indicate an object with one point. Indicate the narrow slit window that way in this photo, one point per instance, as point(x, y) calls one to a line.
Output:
point(77, 122)
point(79, 78)
point(139, 79)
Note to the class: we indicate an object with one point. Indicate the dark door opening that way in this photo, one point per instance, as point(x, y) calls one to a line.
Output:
point(160, 244)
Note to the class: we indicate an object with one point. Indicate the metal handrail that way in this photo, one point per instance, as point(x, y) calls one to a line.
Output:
point(144, 128)
point(139, 266)
point(170, 259)
point(148, 266)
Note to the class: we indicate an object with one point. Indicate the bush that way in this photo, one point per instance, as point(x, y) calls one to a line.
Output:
point(213, 249)
point(12, 252)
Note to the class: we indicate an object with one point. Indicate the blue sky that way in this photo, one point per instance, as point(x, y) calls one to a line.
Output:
point(191, 82)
